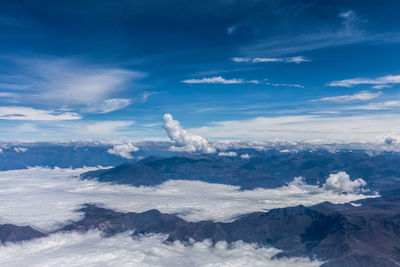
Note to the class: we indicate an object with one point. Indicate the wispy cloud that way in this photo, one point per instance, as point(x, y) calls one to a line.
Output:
point(350, 31)
point(147, 94)
point(379, 106)
point(109, 105)
point(380, 82)
point(221, 80)
point(363, 95)
point(297, 59)
point(213, 80)
point(105, 128)
point(27, 113)
point(72, 82)
point(328, 127)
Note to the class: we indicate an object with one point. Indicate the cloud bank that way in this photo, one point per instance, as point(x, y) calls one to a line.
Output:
point(123, 150)
point(47, 198)
point(91, 249)
point(184, 140)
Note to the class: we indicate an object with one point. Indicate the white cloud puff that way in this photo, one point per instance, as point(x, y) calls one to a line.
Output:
point(123, 150)
point(227, 154)
point(91, 249)
point(245, 156)
point(47, 198)
point(341, 183)
point(184, 140)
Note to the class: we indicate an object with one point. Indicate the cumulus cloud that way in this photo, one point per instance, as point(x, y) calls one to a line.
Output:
point(28, 197)
point(20, 149)
point(341, 183)
point(380, 82)
point(184, 140)
point(91, 249)
point(245, 156)
point(27, 113)
point(297, 59)
point(109, 105)
point(363, 95)
point(227, 154)
point(123, 150)
point(213, 80)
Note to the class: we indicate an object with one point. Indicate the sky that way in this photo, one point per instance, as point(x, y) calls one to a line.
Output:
point(225, 69)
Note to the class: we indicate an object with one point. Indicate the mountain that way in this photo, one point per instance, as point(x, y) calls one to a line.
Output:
point(341, 235)
point(266, 169)
point(14, 233)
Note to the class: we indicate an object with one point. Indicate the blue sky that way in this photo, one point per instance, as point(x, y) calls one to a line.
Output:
point(225, 69)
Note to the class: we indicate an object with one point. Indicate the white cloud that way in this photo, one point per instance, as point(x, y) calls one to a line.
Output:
point(184, 140)
point(245, 156)
point(381, 82)
point(7, 94)
point(213, 80)
point(1, 151)
point(220, 80)
point(20, 149)
point(104, 127)
point(297, 59)
point(227, 154)
point(363, 95)
point(146, 95)
point(109, 105)
point(27, 113)
point(91, 249)
point(72, 82)
point(331, 128)
point(285, 84)
point(341, 183)
point(23, 192)
point(378, 106)
point(123, 150)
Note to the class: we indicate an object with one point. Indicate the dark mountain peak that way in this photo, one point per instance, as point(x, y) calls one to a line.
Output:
point(14, 233)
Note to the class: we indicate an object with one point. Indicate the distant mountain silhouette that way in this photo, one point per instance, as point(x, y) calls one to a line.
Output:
point(265, 169)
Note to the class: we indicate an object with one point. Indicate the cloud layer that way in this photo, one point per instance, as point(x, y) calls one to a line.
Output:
point(47, 198)
point(184, 140)
point(91, 249)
